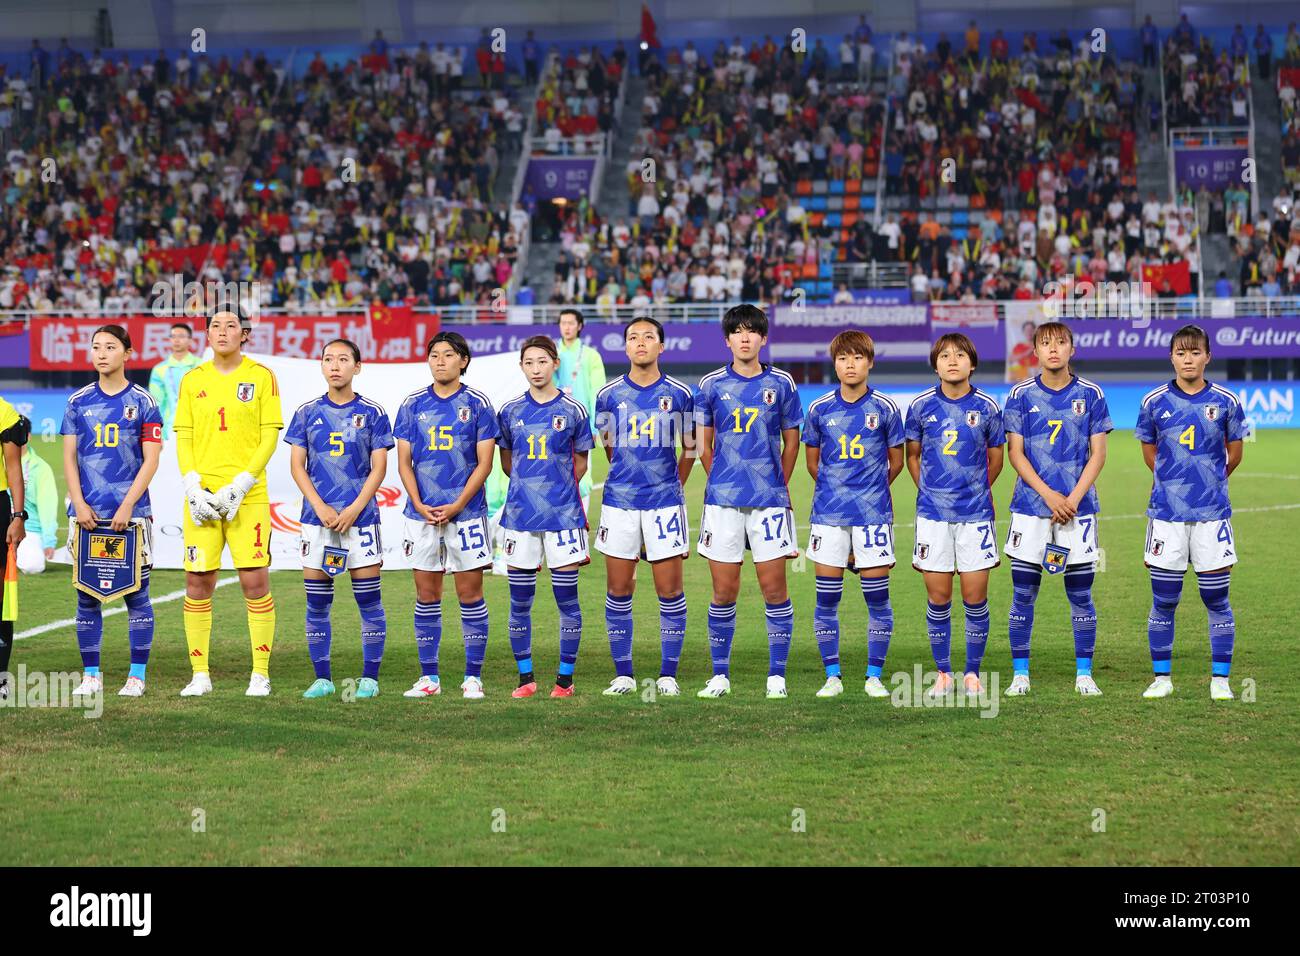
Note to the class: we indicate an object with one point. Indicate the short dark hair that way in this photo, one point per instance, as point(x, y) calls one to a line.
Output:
point(958, 341)
point(117, 332)
point(648, 321)
point(456, 341)
point(1048, 329)
point(181, 325)
point(744, 316)
point(569, 310)
point(352, 347)
point(543, 342)
point(1190, 336)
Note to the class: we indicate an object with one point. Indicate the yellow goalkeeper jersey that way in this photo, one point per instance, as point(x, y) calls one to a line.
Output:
point(225, 413)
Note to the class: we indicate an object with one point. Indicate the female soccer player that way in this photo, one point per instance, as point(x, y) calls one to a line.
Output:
point(954, 454)
point(227, 421)
point(445, 438)
point(1056, 427)
point(112, 437)
point(340, 455)
point(545, 439)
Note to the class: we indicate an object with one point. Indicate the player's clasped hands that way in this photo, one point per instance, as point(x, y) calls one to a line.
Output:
point(1063, 510)
point(345, 519)
point(444, 513)
point(430, 515)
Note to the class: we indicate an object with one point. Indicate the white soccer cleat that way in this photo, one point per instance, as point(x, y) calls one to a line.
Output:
point(943, 686)
point(1162, 686)
point(874, 687)
point(619, 686)
point(426, 686)
point(971, 684)
point(259, 685)
point(668, 687)
point(1085, 685)
point(471, 688)
point(718, 686)
point(776, 687)
point(1020, 686)
point(1220, 689)
point(832, 688)
point(199, 685)
point(134, 687)
point(89, 685)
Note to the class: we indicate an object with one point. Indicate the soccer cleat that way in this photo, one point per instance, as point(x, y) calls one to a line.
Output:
point(525, 690)
point(972, 685)
point(89, 685)
point(874, 688)
point(1085, 685)
point(367, 687)
point(1162, 686)
point(134, 687)
point(668, 687)
point(472, 688)
point(1220, 689)
point(558, 691)
point(1020, 686)
point(199, 685)
point(320, 687)
point(718, 686)
point(776, 687)
point(832, 688)
point(4, 690)
point(620, 686)
point(426, 686)
point(942, 686)
point(259, 685)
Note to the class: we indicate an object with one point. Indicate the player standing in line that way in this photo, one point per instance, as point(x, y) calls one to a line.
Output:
point(580, 375)
point(112, 437)
point(641, 417)
point(1056, 426)
point(954, 454)
point(340, 445)
point(445, 440)
point(545, 439)
point(854, 439)
point(749, 416)
point(1191, 432)
point(227, 420)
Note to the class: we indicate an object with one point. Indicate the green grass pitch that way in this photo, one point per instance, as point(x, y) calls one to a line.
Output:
point(1051, 779)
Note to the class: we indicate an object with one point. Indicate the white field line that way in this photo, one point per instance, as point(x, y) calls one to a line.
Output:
point(109, 612)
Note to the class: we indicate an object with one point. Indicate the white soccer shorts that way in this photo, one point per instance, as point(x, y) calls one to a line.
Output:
point(1209, 545)
point(461, 545)
point(768, 532)
point(525, 549)
point(653, 534)
point(955, 545)
point(1029, 536)
point(362, 542)
point(872, 545)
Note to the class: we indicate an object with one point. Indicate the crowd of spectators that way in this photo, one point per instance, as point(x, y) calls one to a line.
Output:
point(1205, 85)
point(576, 100)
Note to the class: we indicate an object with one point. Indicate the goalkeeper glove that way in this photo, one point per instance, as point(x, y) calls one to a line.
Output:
point(201, 505)
point(229, 498)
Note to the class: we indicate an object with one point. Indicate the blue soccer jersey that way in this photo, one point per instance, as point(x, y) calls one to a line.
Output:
point(111, 431)
point(444, 434)
point(853, 471)
point(643, 425)
point(955, 436)
point(339, 440)
point(1057, 427)
point(542, 438)
point(748, 416)
point(1190, 433)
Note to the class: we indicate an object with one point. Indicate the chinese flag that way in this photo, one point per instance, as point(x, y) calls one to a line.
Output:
point(1179, 275)
point(648, 36)
point(390, 321)
point(11, 586)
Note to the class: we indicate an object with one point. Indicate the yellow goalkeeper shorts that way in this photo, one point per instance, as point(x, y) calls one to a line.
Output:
point(248, 536)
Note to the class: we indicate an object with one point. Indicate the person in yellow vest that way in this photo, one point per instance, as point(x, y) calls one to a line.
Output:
point(14, 430)
point(227, 422)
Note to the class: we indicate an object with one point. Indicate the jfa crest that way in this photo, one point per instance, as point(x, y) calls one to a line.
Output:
point(922, 550)
point(244, 392)
point(973, 418)
point(602, 535)
point(1212, 412)
point(358, 420)
point(872, 421)
point(1015, 539)
point(769, 396)
point(306, 547)
point(1079, 406)
point(559, 421)
point(706, 538)
point(462, 414)
point(665, 403)
point(1157, 547)
point(509, 547)
point(816, 543)
point(128, 412)
point(408, 548)
point(192, 554)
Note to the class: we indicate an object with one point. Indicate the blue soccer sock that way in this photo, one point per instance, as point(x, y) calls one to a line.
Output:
point(1083, 615)
point(1223, 626)
point(618, 621)
point(474, 626)
point(1025, 581)
point(938, 622)
point(90, 632)
point(1166, 589)
point(672, 633)
point(139, 626)
point(374, 625)
point(317, 628)
point(722, 629)
point(523, 588)
point(826, 622)
point(977, 634)
point(564, 585)
point(880, 623)
point(428, 636)
point(780, 628)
